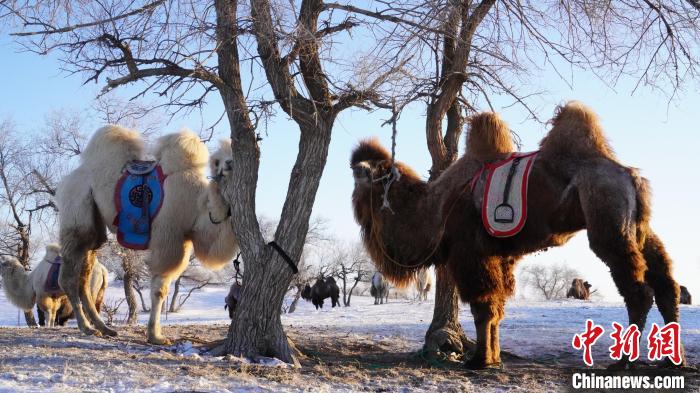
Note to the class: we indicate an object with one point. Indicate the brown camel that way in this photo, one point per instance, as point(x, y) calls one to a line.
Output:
point(576, 183)
point(580, 289)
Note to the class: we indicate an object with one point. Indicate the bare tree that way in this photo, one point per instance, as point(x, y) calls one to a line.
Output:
point(184, 50)
point(350, 264)
point(550, 282)
point(130, 267)
point(196, 276)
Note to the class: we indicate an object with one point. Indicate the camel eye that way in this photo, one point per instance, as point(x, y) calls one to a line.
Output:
point(216, 162)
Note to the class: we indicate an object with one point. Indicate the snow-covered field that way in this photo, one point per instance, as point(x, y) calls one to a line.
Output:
point(539, 332)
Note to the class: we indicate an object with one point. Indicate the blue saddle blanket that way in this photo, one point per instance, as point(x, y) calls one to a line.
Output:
point(138, 198)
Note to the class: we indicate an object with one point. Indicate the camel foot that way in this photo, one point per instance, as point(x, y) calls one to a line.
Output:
point(668, 364)
point(108, 332)
point(90, 331)
point(622, 364)
point(159, 340)
point(479, 363)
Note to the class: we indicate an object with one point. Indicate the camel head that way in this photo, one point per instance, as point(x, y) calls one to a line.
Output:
point(9, 265)
point(371, 166)
point(220, 162)
point(389, 232)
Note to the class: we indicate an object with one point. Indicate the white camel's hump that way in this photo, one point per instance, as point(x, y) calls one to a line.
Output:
point(181, 151)
point(114, 143)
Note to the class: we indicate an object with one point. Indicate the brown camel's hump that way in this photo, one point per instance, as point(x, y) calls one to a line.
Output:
point(369, 150)
point(576, 132)
point(489, 137)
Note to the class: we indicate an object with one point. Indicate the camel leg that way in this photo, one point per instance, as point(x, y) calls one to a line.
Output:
point(69, 279)
point(159, 291)
point(88, 301)
point(628, 268)
point(169, 258)
point(660, 278)
point(485, 315)
point(495, 328)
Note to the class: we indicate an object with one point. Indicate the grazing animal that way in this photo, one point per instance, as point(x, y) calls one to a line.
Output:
point(234, 294)
point(577, 183)
point(423, 281)
point(24, 289)
point(322, 289)
point(686, 298)
point(379, 289)
point(188, 218)
point(580, 289)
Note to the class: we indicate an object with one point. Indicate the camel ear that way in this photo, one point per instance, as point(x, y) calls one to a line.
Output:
point(369, 150)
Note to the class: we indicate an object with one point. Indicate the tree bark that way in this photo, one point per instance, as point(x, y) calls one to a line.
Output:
point(130, 295)
point(176, 291)
point(445, 333)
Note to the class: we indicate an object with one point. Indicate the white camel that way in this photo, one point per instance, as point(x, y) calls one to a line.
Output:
point(193, 215)
point(423, 282)
point(24, 289)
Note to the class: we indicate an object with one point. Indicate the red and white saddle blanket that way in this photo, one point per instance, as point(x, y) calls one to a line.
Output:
point(504, 199)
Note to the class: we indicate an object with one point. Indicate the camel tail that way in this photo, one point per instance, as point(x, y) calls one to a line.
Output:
point(576, 132)
point(643, 191)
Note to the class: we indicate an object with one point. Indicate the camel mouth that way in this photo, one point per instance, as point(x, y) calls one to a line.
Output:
point(361, 172)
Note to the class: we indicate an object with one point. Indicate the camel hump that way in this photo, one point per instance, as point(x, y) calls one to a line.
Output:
point(489, 137)
point(114, 143)
point(181, 151)
point(369, 149)
point(576, 131)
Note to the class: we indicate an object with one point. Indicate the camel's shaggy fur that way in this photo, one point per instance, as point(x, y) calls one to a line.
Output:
point(580, 289)
point(188, 218)
point(576, 183)
point(423, 282)
point(24, 288)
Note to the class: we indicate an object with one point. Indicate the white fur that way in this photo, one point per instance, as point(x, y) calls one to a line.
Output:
point(24, 289)
point(182, 223)
point(423, 282)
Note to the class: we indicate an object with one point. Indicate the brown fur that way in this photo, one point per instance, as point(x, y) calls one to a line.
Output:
point(489, 138)
point(578, 184)
point(579, 289)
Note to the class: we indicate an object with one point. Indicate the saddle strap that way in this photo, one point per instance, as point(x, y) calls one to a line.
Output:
point(509, 180)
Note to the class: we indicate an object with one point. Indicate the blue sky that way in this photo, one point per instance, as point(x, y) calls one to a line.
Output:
point(646, 131)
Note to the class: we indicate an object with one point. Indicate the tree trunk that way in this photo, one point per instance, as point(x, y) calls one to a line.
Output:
point(445, 333)
point(129, 293)
point(144, 307)
point(176, 291)
point(293, 306)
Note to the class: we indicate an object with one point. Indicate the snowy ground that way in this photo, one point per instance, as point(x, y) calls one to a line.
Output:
point(362, 347)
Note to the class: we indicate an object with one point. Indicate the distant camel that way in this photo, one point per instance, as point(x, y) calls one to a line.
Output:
point(576, 183)
point(192, 215)
point(686, 298)
point(423, 281)
point(24, 288)
point(322, 289)
point(379, 289)
point(580, 289)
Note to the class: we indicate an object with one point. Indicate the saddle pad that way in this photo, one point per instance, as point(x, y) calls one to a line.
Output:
point(51, 286)
point(139, 167)
point(138, 197)
point(504, 211)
